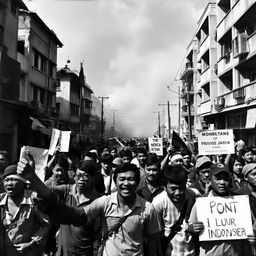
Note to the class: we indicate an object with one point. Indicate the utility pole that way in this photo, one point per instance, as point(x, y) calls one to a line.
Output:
point(159, 127)
point(114, 121)
point(102, 115)
point(169, 117)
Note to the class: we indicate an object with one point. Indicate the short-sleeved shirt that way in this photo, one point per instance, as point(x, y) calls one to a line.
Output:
point(128, 240)
point(26, 225)
point(168, 214)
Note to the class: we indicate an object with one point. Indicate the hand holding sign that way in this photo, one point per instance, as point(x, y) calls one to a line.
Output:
point(196, 227)
point(26, 165)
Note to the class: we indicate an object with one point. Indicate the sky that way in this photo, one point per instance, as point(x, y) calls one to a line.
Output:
point(131, 51)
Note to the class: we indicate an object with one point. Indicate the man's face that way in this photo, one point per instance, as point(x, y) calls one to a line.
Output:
point(237, 168)
point(204, 175)
point(59, 173)
point(176, 192)
point(83, 179)
point(126, 184)
point(3, 162)
point(113, 153)
point(178, 161)
point(106, 166)
point(221, 183)
point(186, 160)
point(251, 178)
point(13, 186)
point(142, 158)
point(152, 172)
point(248, 157)
point(126, 159)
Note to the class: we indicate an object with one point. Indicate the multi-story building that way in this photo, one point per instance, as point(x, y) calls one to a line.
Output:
point(37, 53)
point(74, 103)
point(188, 75)
point(10, 107)
point(226, 85)
point(198, 73)
point(235, 104)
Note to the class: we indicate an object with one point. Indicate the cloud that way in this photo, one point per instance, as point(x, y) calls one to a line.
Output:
point(131, 49)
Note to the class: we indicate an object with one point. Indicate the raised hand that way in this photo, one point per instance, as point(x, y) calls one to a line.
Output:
point(26, 166)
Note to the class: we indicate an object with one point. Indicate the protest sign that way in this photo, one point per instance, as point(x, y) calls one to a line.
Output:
point(40, 156)
point(64, 141)
point(54, 140)
point(156, 145)
point(224, 218)
point(216, 142)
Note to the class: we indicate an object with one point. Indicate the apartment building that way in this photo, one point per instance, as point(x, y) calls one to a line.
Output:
point(235, 104)
point(10, 107)
point(37, 53)
point(198, 74)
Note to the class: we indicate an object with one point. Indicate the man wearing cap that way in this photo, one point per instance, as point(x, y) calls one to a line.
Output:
point(202, 182)
point(220, 179)
point(22, 228)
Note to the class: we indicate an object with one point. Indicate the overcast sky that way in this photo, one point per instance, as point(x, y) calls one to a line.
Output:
point(131, 50)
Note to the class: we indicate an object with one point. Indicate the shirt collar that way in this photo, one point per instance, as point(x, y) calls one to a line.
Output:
point(114, 200)
point(26, 198)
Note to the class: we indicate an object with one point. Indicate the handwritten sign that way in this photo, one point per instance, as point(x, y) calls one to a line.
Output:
point(156, 145)
point(216, 142)
point(224, 218)
point(40, 156)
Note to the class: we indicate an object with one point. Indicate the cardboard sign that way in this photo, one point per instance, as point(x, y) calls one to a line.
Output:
point(216, 142)
point(59, 137)
point(40, 156)
point(224, 218)
point(156, 145)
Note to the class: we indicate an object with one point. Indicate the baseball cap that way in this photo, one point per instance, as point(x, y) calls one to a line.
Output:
point(248, 168)
point(217, 168)
point(202, 160)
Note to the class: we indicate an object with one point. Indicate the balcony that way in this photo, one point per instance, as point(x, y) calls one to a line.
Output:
point(205, 77)
point(205, 107)
point(186, 70)
point(24, 62)
point(225, 64)
point(233, 16)
point(252, 42)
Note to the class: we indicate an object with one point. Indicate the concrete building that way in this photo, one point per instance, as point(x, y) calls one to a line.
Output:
point(198, 73)
point(37, 53)
point(226, 59)
point(10, 107)
point(235, 104)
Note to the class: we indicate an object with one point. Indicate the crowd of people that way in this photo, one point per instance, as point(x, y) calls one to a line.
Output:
point(123, 200)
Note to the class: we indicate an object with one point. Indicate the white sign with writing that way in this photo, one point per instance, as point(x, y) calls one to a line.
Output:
point(155, 145)
point(216, 142)
point(224, 218)
point(40, 156)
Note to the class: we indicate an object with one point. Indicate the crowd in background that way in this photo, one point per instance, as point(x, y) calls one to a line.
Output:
point(147, 202)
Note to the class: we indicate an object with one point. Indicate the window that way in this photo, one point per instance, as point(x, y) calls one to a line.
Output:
point(21, 46)
point(38, 95)
point(40, 62)
point(75, 89)
point(51, 69)
point(74, 110)
point(1, 34)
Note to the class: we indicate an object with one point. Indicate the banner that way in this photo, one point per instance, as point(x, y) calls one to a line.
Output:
point(54, 141)
point(216, 142)
point(224, 218)
point(156, 145)
point(61, 138)
point(64, 141)
point(40, 156)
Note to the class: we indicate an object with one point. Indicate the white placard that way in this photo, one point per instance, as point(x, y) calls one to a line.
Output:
point(216, 142)
point(64, 141)
point(224, 218)
point(54, 140)
point(155, 145)
point(40, 156)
